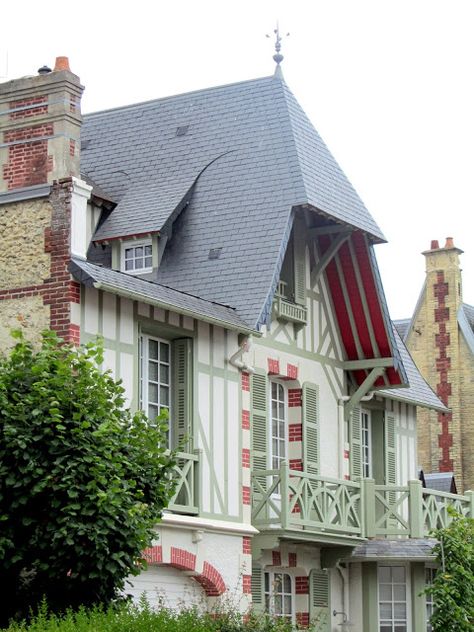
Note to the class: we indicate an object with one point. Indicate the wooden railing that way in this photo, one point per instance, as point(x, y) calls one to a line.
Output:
point(288, 311)
point(290, 499)
point(185, 497)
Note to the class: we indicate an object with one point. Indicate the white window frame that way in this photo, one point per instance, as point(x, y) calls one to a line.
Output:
point(366, 443)
point(145, 382)
point(390, 625)
point(281, 439)
point(132, 244)
point(429, 575)
point(269, 578)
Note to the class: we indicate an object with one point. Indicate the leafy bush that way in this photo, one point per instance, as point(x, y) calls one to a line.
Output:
point(141, 618)
point(453, 585)
point(82, 479)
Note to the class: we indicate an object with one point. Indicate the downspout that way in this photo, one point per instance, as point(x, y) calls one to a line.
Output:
point(344, 574)
point(235, 359)
point(340, 428)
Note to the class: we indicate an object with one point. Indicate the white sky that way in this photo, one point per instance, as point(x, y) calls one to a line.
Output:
point(387, 83)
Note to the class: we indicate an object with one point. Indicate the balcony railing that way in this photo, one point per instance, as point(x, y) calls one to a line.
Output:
point(290, 499)
point(287, 310)
point(185, 497)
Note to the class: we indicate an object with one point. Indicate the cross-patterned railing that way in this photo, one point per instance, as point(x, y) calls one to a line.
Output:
point(291, 499)
point(185, 496)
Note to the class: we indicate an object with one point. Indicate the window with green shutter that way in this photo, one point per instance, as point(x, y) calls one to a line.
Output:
point(311, 428)
point(355, 437)
point(319, 600)
point(182, 410)
point(259, 408)
point(258, 602)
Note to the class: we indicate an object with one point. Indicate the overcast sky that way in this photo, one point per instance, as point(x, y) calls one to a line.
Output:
point(387, 83)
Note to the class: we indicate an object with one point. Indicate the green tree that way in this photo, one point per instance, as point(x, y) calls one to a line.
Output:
point(453, 586)
point(82, 479)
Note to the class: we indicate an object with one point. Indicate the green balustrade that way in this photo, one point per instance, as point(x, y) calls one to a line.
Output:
point(185, 472)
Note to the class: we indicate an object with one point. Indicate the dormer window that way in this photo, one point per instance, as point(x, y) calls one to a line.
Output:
point(137, 257)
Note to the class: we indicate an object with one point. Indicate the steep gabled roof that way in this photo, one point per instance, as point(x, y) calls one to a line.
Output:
point(257, 156)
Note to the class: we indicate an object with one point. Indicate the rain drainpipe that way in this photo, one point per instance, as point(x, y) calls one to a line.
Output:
point(235, 359)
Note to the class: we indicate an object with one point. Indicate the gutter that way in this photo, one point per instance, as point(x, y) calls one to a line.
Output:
point(179, 310)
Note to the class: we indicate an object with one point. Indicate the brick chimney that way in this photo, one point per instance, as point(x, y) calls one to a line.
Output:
point(43, 203)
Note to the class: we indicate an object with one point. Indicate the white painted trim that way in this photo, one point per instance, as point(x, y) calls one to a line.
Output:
point(135, 243)
point(223, 526)
point(80, 195)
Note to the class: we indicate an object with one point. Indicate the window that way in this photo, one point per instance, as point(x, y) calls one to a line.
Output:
point(393, 605)
point(366, 440)
point(155, 375)
point(278, 426)
point(137, 256)
point(430, 573)
point(279, 599)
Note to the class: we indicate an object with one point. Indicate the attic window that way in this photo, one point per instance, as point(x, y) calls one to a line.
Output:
point(137, 257)
point(182, 130)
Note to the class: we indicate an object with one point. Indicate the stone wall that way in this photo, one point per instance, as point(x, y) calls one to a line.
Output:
point(29, 314)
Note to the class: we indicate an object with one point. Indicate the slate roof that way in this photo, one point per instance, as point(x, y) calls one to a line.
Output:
point(419, 392)
point(402, 326)
point(399, 549)
point(155, 294)
point(440, 481)
point(248, 156)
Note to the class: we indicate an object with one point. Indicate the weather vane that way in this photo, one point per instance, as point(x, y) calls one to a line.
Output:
point(278, 57)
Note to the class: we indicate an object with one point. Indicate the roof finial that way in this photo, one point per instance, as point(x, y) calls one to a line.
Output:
point(278, 57)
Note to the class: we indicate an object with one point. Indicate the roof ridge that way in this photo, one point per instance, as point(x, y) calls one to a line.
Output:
point(150, 102)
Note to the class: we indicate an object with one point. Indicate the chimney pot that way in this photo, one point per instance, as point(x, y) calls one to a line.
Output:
point(44, 70)
point(449, 242)
point(434, 244)
point(62, 63)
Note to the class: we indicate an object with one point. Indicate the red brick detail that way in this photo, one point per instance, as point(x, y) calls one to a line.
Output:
point(245, 381)
point(28, 162)
point(245, 495)
point(183, 560)
point(74, 292)
point(245, 420)
point(292, 560)
point(302, 585)
point(39, 106)
point(153, 555)
point(246, 584)
point(74, 335)
point(346, 454)
point(247, 545)
point(276, 558)
point(211, 580)
point(302, 619)
point(296, 464)
point(245, 457)
point(72, 147)
point(295, 432)
point(292, 371)
point(296, 508)
point(273, 366)
point(347, 477)
point(294, 397)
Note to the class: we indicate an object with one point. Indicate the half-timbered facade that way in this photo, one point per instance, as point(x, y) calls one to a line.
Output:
point(215, 245)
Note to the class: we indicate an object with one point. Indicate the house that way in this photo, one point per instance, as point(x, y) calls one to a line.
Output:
point(440, 338)
point(215, 244)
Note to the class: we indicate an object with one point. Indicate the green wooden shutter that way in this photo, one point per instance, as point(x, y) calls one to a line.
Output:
point(300, 266)
point(182, 384)
point(355, 433)
point(311, 428)
point(258, 599)
point(259, 403)
point(319, 606)
point(390, 453)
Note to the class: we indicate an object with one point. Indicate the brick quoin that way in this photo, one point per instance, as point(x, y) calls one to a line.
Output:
point(295, 397)
point(295, 432)
point(245, 381)
point(302, 585)
point(246, 584)
point(183, 560)
point(153, 555)
point(245, 457)
point(302, 619)
point(245, 420)
point(276, 558)
point(296, 464)
point(292, 371)
point(292, 560)
point(28, 161)
point(296, 508)
point(273, 366)
point(247, 545)
point(245, 495)
point(346, 454)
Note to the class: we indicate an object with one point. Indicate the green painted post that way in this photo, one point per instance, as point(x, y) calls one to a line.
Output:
point(367, 488)
point(470, 496)
point(285, 491)
point(370, 606)
point(418, 600)
point(415, 509)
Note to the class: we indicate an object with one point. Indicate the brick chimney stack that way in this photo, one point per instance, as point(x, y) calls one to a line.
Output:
point(40, 121)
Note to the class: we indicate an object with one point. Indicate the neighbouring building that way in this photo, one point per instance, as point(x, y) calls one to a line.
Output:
point(440, 338)
point(214, 243)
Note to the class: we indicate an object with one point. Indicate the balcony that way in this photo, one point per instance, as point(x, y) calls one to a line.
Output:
point(286, 310)
point(185, 499)
point(305, 504)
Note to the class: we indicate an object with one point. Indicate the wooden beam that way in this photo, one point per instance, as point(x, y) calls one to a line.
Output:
point(355, 365)
point(362, 390)
point(322, 264)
